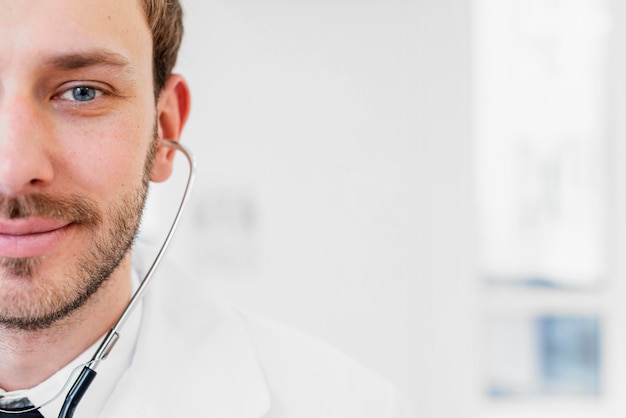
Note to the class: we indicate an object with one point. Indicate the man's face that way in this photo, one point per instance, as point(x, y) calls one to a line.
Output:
point(77, 123)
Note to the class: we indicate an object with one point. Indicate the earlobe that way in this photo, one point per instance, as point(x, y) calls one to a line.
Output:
point(172, 112)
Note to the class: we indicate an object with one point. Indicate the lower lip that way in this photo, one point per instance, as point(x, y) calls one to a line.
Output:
point(31, 245)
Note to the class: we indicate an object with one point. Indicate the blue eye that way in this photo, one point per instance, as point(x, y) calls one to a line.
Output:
point(84, 94)
point(81, 94)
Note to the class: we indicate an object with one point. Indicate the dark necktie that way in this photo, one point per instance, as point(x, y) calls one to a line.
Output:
point(20, 405)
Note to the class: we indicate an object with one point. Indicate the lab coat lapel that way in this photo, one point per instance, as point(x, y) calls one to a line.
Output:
point(125, 402)
point(193, 356)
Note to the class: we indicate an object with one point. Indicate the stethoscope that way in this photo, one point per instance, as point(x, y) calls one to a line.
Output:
point(88, 372)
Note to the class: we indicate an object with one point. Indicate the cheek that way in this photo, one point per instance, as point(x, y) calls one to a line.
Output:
point(103, 157)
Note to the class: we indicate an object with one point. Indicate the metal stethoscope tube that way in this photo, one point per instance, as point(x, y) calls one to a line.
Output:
point(88, 373)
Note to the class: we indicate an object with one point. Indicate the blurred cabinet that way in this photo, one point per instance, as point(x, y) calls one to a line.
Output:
point(544, 199)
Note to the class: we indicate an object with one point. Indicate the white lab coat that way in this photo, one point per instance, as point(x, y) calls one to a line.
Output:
point(199, 358)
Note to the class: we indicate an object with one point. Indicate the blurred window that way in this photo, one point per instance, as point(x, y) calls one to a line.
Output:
point(543, 355)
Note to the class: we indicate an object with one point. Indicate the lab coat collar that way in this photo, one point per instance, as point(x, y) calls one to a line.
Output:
point(193, 357)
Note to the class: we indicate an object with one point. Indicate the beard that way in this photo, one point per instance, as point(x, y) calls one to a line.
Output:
point(100, 258)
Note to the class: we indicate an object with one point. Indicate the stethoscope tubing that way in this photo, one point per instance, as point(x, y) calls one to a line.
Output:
point(88, 373)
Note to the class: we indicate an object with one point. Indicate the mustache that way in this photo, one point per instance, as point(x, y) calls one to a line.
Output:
point(78, 209)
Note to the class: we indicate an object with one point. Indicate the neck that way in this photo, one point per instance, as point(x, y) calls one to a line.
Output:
point(28, 358)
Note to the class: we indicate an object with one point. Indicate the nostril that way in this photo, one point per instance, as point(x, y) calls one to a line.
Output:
point(21, 176)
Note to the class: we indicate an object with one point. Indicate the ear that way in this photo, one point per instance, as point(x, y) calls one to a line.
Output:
point(172, 111)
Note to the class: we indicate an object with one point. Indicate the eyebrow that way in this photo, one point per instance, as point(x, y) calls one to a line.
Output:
point(91, 58)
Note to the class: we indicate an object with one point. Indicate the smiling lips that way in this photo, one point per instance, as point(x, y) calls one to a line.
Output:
point(30, 237)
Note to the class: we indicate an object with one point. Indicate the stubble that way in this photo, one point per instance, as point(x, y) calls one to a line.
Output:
point(92, 269)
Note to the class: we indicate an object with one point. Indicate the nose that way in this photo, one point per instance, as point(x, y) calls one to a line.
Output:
point(25, 164)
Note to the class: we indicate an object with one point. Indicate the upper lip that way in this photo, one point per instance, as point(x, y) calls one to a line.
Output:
point(31, 225)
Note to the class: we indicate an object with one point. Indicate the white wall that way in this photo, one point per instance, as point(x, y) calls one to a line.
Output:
point(333, 146)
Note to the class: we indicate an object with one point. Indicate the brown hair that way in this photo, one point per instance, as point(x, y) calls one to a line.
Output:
point(165, 19)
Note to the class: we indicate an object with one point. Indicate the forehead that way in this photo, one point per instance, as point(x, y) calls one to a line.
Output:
point(32, 30)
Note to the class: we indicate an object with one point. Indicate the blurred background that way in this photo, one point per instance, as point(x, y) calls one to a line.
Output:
point(435, 187)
